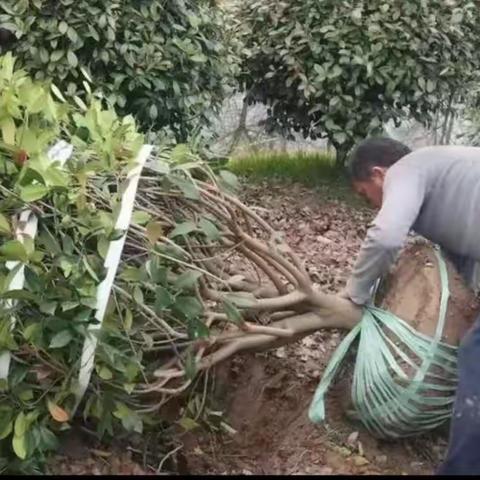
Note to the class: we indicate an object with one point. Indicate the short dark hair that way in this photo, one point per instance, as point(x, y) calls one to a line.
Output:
point(375, 152)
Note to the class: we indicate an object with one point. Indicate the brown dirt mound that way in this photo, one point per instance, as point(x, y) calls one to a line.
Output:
point(414, 293)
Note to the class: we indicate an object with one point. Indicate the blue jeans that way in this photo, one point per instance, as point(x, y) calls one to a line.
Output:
point(463, 456)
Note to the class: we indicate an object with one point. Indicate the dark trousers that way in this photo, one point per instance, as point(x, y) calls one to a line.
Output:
point(463, 457)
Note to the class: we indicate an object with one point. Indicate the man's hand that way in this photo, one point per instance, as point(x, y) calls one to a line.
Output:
point(346, 296)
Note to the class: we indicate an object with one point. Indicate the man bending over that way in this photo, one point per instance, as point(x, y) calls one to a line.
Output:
point(434, 191)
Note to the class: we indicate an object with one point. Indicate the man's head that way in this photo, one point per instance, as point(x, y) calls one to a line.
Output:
point(369, 163)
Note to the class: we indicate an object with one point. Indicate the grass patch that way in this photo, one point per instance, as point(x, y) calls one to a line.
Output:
point(307, 168)
point(316, 170)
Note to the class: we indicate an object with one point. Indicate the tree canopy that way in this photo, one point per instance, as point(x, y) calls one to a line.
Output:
point(167, 62)
point(342, 69)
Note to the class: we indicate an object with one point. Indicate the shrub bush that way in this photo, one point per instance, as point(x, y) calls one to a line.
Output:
point(166, 62)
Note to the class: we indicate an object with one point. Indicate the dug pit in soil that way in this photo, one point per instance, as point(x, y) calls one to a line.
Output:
point(267, 403)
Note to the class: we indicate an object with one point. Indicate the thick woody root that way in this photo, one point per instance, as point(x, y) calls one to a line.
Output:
point(279, 304)
point(271, 303)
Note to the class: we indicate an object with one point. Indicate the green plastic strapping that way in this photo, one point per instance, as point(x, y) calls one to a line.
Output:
point(388, 401)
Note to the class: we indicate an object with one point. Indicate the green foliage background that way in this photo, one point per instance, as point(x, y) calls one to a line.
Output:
point(168, 62)
point(342, 69)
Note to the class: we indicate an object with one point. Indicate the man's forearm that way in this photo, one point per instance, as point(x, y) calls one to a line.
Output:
point(403, 195)
point(374, 261)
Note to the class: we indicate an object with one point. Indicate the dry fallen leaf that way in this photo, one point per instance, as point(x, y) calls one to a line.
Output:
point(352, 438)
point(154, 232)
point(198, 451)
point(57, 413)
point(100, 453)
point(360, 461)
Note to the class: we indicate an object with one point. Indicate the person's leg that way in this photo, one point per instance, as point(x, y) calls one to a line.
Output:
point(463, 456)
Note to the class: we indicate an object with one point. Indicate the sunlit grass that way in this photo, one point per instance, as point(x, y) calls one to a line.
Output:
point(307, 168)
point(317, 170)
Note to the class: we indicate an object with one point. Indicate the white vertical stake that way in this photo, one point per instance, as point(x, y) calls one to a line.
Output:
point(112, 260)
point(27, 226)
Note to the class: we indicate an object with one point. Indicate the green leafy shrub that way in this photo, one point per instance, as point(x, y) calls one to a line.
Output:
point(155, 313)
point(166, 62)
point(62, 265)
point(343, 69)
point(181, 300)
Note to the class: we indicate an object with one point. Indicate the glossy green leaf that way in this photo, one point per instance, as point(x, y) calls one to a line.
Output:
point(242, 300)
point(61, 339)
point(6, 426)
point(233, 313)
point(105, 373)
point(5, 228)
point(209, 229)
point(141, 217)
point(197, 329)
point(229, 178)
point(21, 425)
point(128, 320)
point(138, 295)
point(72, 59)
point(62, 27)
point(31, 193)
point(188, 188)
point(189, 307)
point(183, 229)
point(163, 299)
point(14, 250)
point(19, 444)
point(8, 128)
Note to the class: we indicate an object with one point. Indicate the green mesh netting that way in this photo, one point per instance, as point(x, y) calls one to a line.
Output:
point(390, 402)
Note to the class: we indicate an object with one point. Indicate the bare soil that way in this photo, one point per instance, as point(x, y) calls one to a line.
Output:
point(267, 403)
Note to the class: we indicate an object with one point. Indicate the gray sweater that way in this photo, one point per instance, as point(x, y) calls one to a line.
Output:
point(434, 191)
